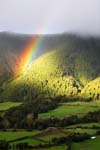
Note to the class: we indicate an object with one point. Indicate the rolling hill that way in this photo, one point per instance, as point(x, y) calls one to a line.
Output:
point(70, 69)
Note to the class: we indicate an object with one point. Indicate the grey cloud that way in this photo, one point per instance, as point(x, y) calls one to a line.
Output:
point(50, 16)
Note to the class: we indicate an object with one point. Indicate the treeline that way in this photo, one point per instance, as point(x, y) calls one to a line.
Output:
point(67, 121)
point(26, 117)
point(67, 140)
point(4, 145)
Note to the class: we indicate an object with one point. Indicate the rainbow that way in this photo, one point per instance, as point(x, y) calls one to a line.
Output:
point(27, 55)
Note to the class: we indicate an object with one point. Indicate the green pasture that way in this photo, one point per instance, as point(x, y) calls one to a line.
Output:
point(76, 108)
point(92, 144)
point(6, 105)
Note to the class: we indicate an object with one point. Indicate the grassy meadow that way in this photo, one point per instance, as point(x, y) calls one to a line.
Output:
point(87, 145)
point(6, 105)
point(65, 109)
point(37, 137)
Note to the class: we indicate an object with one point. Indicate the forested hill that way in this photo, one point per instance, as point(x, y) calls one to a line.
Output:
point(70, 67)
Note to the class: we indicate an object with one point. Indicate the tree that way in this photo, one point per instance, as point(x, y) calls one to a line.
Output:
point(30, 118)
point(4, 145)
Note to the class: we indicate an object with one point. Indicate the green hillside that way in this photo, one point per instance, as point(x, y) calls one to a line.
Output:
point(66, 72)
point(92, 89)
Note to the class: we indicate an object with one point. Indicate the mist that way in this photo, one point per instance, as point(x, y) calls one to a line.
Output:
point(50, 16)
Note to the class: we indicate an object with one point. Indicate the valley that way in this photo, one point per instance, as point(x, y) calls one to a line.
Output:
point(49, 99)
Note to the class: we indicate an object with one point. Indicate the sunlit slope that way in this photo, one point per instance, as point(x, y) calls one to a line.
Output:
point(92, 89)
point(63, 72)
point(83, 65)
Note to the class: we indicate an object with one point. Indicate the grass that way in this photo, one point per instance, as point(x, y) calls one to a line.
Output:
point(92, 103)
point(50, 137)
point(32, 142)
point(79, 130)
point(87, 125)
point(92, 144)
point(61, 147)
point(6, 105)
point(64, 109)
point(14, 135)
point(76, 108)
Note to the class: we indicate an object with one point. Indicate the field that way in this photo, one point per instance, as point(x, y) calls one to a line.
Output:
point(6, 105)
point(62, 147)
point(38, 137)
point(84, 125)
point(14, 135)
point(33, 138)
point(87, 145)
point(80, 108)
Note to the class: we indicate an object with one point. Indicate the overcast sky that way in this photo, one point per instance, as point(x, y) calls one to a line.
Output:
point(50, 16)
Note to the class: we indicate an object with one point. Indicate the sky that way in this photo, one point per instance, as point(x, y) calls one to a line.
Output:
point(50, 16)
